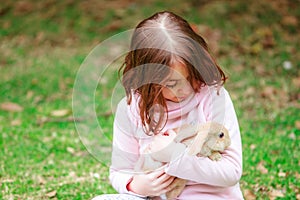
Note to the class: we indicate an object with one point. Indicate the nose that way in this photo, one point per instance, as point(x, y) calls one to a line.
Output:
point(180, 92)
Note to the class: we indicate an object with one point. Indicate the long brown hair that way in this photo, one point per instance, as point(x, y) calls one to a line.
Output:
point(156, 42)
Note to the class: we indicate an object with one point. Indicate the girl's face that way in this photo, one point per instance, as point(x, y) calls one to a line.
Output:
point(177, 86)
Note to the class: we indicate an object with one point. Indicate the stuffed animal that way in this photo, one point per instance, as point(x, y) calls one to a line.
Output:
point(208, 139)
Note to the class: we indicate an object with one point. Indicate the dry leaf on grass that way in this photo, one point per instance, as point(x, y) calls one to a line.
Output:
point(268, 92)
point(296, 82)
point(297, 124)
point(252, 146)
point(8, 180)
point(262, 168)
point(16, 122)
point(281, 174)
point(273, 194)
point(41, 180)
point(71, 150)
point(290, 20)
point(292, 136)
point(51, 194)
point(11, 107)
point(29, 94)
point(60, 113)
point(249, 195)
point(23, 7)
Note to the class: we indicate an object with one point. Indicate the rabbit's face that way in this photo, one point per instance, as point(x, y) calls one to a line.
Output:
point(218, 140)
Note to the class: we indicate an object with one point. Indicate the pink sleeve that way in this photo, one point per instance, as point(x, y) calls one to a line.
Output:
point(228, 170)
point(125, 150)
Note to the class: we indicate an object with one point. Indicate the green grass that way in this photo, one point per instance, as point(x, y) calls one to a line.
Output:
point(43, 44)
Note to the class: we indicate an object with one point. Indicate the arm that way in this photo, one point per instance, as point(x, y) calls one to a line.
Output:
point(228, 170)
point(125, 150)
point(125, 155)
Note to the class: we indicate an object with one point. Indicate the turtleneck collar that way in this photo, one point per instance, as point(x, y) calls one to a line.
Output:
point(176, 110)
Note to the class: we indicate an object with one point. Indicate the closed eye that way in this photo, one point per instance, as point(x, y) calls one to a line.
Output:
point(171, 84)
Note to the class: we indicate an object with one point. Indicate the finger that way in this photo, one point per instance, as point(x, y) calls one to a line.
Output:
point(173, 184)
point(157, 173)
point(163, 178)
point(171, 178)
point(168, 183)
point(167, 186)
point(162, 188)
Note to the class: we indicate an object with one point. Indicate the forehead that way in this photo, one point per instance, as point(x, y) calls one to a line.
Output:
point(178, 70)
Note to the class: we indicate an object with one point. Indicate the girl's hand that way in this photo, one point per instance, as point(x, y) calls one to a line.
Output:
point(154, 183)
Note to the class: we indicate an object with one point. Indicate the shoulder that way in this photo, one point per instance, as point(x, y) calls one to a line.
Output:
point(211, 97)
point(212, 92)
point(130, 111)
point(121, 107)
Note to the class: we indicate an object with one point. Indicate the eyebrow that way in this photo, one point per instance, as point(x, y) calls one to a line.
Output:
point(170, 80)
point(186, 78)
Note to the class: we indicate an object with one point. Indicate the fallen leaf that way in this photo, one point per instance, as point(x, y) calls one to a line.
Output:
point(72, 174)
point(16, 122)
point(273, 194)
point(268, 41)
point(290, 20)
point(51, 194)
point(252, 146)
point(261, 70)
point(238, 68)
point(297, 124)
point(262, 168)
point(297, 175)
point(292, 136)
point(8, 180)
point(268, 91)
point(11, 107)
point(29, 94)
point(296, 82)
point(62, 85)
point(41, 180)
point(23, 7)
point(71, 150)
point(37, 99)
point(282, 174)
point(34, 81)
point(115, 25)
point(96, 175)
point(40, 36)
point(60, 113)
point(249, 195)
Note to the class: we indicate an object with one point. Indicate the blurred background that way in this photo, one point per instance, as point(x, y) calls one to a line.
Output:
point(43, 44)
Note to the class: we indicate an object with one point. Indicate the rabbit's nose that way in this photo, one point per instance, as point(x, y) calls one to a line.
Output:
point(221, 135)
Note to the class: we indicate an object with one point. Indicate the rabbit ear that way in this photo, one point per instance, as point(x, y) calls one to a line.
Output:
point(198, 142)
point(186, 131)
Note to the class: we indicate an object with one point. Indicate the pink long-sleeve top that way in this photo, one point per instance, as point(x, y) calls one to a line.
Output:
point(207, 179)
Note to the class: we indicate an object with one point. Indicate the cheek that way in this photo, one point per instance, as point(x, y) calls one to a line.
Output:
point(167, 93)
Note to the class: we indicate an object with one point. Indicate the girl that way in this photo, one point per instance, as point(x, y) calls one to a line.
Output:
point(170, 80)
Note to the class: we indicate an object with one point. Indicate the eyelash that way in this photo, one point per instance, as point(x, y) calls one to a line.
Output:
point(171, 86)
